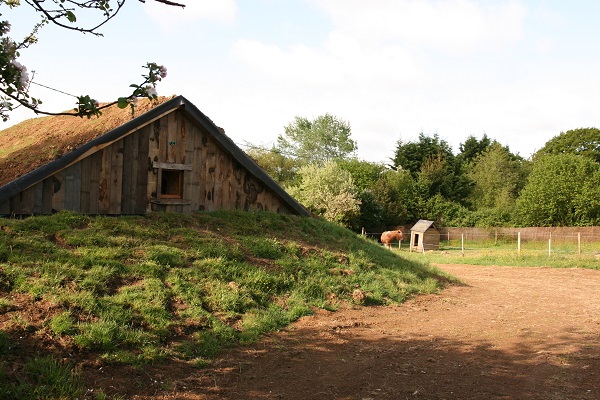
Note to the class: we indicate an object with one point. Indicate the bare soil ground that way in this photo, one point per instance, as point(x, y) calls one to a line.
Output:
point(506, 333)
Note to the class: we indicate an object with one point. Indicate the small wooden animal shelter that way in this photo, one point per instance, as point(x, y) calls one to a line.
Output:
point(424, 236)
point(170, 158)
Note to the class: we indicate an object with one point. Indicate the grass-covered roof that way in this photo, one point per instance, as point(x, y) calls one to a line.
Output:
point(37, 141)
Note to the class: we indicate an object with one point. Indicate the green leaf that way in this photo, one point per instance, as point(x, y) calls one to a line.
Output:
point(71, 17)
point(122, 102)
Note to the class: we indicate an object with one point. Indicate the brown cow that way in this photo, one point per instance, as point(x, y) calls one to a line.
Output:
point(388, 237)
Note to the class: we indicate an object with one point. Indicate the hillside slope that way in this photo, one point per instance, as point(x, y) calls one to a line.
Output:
point(167, 287)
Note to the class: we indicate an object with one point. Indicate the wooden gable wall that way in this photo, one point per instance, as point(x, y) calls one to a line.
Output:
point(124, 177)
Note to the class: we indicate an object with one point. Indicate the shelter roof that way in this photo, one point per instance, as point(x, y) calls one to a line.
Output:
point(422, 225)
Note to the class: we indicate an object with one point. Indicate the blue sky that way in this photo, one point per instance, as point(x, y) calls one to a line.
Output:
point(521, 71)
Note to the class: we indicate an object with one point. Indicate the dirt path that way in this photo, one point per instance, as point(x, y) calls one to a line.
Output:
point(508, 333)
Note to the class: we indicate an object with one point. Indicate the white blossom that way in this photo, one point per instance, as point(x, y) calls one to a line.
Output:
point(23, 74)
point(150, 91)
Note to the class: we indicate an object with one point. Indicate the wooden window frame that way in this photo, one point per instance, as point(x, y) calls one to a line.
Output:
point(175, 188)
point(176, 170)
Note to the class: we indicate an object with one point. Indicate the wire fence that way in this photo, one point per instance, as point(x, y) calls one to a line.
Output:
point(550, 241)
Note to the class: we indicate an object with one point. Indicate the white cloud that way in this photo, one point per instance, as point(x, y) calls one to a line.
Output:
point(223, 11)
point(448, 25)
point(342, 61)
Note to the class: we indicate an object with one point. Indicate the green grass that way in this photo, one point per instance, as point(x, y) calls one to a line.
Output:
point(532, 254)
point(144, 289)
point(42, 378)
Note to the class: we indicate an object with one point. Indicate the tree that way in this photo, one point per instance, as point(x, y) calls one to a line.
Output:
point(472, 148)
point(15, 80)
point(430, 160)
point(281, 168)
point(371, 214)
point(396, 192)
point(443, 211)
point(562, 190)
point(327, 191)
point(498, 177)
point(364, 173)
point(582, 141)
point(411, 155)
point(323, 139)
point(439, 176)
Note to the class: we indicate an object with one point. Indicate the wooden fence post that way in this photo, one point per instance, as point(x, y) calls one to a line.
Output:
point(519, 243)
point(462, 240)
point(578, 243)
point(550, 245)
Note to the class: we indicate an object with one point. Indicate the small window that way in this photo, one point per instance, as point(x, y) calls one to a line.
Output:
point(171, 185)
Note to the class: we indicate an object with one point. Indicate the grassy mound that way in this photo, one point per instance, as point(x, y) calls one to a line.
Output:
point(147, 289)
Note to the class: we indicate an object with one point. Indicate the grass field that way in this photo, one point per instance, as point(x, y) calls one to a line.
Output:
point(147, 289)
point(559, 254)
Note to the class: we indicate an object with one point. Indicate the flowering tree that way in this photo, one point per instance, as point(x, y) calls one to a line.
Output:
point(15, 79)
point(328, 191)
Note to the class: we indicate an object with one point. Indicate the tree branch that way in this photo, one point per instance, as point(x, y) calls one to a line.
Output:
point(167, 2)
point(33, 108)
point(60, 14)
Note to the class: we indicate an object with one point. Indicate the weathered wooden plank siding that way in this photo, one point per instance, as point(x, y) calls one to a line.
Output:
point(116, 178)
point(5, 207)
point(220, 161)
point(38, 201)
point(141, 199)
point(73, 188)
point(47, 194)
point(86, 185)
point(171, 141)
point(210, 167)
point(15, 204)
point(129, 176)
point(182, 146)
point(153, 155)
point(104, 181)
point(26, 201)
point(94, 178)
point(58, 196)
point(191, 179)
